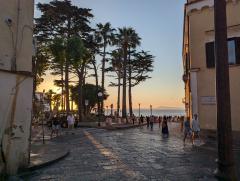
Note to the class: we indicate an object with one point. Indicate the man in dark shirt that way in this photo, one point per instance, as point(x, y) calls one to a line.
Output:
point(55, 125)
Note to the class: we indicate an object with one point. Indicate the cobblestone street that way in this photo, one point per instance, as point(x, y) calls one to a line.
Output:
point(133, 154)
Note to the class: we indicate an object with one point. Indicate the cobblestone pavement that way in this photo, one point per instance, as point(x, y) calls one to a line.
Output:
point(134, 154)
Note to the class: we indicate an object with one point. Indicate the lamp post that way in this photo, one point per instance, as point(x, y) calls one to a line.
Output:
point(111, 109)
point(226, 166)
point(139, 109)
point(151, 109)
point(100, 95)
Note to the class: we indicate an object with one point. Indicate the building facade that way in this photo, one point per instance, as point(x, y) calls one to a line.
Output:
point(199, 64)
point(16, 82)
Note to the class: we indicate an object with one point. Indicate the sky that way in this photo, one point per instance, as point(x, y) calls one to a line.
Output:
point(160, 25)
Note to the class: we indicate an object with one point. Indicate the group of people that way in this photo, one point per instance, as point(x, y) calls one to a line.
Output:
point(163, 121)
point(55, 123)
point(193, 131)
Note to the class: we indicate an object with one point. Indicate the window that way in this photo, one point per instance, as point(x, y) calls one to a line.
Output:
point(233, 52)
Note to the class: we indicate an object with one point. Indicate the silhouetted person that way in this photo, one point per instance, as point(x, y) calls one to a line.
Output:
point(165, 131)
point(141, 119)
point(151, 122)
point(159, 121)
point(148, 122)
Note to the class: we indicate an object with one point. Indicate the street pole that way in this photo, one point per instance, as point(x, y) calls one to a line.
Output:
point(151, 109)
point(139, 109)
point(226, 167)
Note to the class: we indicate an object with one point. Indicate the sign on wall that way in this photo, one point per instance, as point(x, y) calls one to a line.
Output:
point(208, 100)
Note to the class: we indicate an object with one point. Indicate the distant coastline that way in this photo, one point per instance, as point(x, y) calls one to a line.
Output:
point(157, 112)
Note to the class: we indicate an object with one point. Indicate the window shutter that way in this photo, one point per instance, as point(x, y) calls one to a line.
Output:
point(210, 57)
point(237, 46)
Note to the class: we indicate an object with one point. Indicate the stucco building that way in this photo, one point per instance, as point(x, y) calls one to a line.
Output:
point(199, 64)
point(16, 82)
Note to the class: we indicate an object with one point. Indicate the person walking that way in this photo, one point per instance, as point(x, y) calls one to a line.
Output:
point(151, 122)
point(148, 121)
point(141, 119)
point(165, 131)
point(187, 130)
point(195, 128)
point(71, 121)
point(159, 121)
point(55, 125)
point(133, 119)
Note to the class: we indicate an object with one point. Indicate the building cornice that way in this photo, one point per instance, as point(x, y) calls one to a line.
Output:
point(198, 5)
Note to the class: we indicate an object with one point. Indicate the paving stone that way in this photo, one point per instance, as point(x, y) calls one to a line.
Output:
point(135, 154)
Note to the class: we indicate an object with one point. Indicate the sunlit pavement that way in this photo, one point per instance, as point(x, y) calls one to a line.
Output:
point(134, 154)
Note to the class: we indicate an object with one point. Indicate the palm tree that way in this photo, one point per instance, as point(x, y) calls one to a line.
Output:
point(134, 41)
point(123, 41)
point(116, 61)
point(105, 36)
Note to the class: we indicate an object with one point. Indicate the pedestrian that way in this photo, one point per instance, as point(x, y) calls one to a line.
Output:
point(133, 119)
point(141, 119)
point(151, 122)
point(187, 130)
point(195, 127)
point(148, 121)
point(159, 121)
point(181, 123)
point(71, 121)
point(165, 131)
point(55, 125)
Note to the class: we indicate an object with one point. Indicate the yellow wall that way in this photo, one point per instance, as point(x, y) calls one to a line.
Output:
point(201, 31)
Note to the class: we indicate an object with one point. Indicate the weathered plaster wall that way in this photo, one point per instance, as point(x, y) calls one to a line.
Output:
point(16, 88)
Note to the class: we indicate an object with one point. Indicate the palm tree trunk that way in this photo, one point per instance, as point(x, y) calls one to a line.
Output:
point(67, 86)
point(119, 92)
point(124, 98)
point(130, 83)
point(79, 96)
point(80, 91)
point(96, 79)
point(84, 93)
point(62, 96)
point(103, 74)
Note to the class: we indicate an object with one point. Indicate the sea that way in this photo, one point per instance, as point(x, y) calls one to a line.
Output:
point(157, 112)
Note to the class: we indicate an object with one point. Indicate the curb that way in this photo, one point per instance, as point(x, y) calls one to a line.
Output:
point(42, 165)
point(35, 167)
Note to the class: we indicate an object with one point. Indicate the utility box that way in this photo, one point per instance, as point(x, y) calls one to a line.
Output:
point(16, 83)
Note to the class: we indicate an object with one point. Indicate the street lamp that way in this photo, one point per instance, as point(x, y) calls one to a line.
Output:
point(111, 109)
point(151, 109)
point(226, 166)
point(139, 109)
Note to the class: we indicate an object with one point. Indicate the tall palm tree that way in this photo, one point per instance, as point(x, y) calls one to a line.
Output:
point(116, 61)
point(105, 36)
point(123, 41)
point(134, 41)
